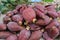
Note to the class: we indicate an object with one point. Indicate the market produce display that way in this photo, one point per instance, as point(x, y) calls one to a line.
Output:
point(28, 22)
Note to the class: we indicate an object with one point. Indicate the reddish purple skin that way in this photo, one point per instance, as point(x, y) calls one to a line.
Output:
point(41, 8)
point(38, 13)
point(29, 14)
point(53, 33)
point(18, 7)
point(58, 13)
point(12, 37)
point(6, 19)
point(34, 27)
point(53, 14)
point(24, 35)
point(56, 22)
point(9, 13)
point(15, 11)
point(50, 7)
point(59, 28)
point(53, 23)
point(23, 7)
point(18, 35)
point(36, 35)
point(46, 37)
point(3, 26)
point(13, 26)
point(40, 22)
point(46, 20)
point(51, 10)
point(22, 27)
point(4, 34)
point(17, 18)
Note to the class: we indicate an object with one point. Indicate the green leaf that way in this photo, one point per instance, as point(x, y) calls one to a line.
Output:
point(4, 10)
point(22, 2)
point(48, 0)
point(4, 0)
point(9, 6)
point(12, 0)
point(1, 6)
point(6, 5)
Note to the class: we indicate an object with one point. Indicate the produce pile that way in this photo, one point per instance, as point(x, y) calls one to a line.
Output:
point(28, 22)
